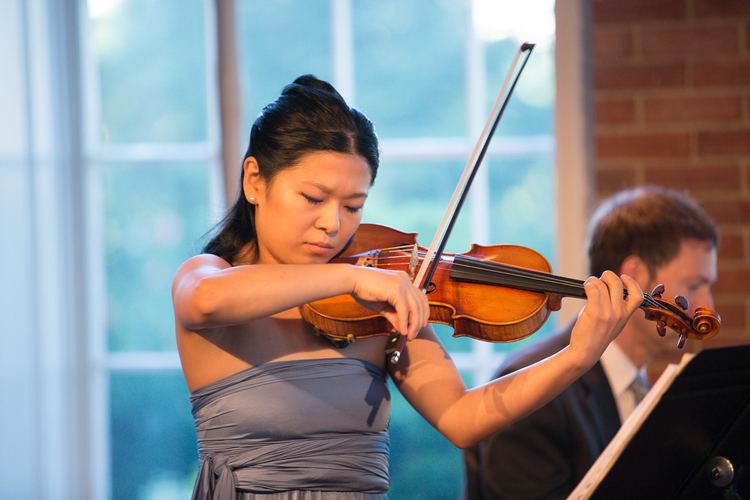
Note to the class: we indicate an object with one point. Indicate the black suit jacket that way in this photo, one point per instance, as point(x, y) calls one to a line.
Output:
point(546, 454)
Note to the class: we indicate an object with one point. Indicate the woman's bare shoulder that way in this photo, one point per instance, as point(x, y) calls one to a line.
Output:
point(204, 260)
point(201, 264)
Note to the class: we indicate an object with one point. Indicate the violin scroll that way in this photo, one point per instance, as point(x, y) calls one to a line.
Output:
point(704, 324)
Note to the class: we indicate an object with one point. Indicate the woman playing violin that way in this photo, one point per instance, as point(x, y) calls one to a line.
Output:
point(282, 411)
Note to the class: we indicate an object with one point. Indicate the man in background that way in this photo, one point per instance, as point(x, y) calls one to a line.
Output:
point(656, 236)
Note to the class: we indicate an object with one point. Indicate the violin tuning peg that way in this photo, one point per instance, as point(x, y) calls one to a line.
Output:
point(682, 302)
point(681, 341)
point(657, 291)
point(661, 328)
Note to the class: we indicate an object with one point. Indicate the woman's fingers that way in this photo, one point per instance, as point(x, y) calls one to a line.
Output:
point(605, 314)
point(615, 289)
point(596, 293)
point(419, 311)
point(635, 294)
point(607, 298)
point(392, 294)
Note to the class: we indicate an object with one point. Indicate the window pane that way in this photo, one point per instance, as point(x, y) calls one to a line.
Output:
point(523, 202)
point(410, 65)
point(155, 216)
point(12, 84)
point(153, 450)
point(150, 61)
point(530, 109)
point(412, 197)
point(418, 452)
point(523, 212)
point(269, 61)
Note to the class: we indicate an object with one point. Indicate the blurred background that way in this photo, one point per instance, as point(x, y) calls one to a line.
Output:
point(123, 126)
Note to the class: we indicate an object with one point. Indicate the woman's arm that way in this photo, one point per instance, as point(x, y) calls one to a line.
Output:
point(208, 293)
point(431, 383)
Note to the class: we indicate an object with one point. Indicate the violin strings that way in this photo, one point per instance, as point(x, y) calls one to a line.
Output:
point(512, 271)
point(502, 270)
point(537, 276)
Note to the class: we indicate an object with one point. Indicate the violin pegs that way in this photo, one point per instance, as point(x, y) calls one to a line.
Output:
point(681, 341)
point(682, 302)
point(661, 328)
point(657, 291)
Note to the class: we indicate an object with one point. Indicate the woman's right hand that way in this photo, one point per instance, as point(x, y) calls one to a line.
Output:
point(392, 294)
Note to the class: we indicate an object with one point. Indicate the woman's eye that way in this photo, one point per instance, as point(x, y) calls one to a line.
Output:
point(353, 210)
point(311, 200)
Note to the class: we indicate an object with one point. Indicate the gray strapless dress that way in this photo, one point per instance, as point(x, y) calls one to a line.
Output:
point(299, 430)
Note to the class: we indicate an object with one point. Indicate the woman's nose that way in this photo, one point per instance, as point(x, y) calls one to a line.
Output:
point(329, 220)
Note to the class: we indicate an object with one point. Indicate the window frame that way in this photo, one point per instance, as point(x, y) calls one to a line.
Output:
point(481, 360)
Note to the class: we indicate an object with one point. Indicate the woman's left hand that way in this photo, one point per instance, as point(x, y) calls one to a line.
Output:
point(605, 314)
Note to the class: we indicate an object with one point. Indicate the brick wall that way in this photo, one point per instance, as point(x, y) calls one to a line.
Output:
point(671, 99)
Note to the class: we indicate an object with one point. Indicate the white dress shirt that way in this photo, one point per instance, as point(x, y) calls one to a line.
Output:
point(621, 372)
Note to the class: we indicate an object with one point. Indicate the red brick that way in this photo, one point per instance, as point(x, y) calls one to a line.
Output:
point(732, 315)
point(728, 211)
point(608, 11)
point(689, 40)
point(642, 145)
point(640, 76)
point(678, 109)
point(722, 8)
point(727, 142)
point(731, 246)
point(727, 72)
point(610, 180)
point(733, 280)
point(610, 42)
point(614, 111)
point(695, 178)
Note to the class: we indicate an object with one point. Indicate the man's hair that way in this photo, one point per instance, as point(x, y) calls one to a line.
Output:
point(649, 222)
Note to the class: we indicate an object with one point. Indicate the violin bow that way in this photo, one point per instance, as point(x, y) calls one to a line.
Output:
point(434, 253)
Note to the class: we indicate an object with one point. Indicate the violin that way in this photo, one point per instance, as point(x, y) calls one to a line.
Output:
point(497, 293)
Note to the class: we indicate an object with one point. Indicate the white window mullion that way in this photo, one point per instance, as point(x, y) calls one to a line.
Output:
point(342, 46)
point(484, 360)
point(96, 466)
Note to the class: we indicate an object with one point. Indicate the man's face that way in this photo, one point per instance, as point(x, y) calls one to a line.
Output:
point(691, 273)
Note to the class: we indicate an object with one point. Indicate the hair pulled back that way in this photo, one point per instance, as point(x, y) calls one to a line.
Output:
point(309, 116)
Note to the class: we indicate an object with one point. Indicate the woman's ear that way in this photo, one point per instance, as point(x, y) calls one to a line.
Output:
point(252, 181)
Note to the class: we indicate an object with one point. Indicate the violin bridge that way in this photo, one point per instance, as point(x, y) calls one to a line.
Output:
point(413, 261)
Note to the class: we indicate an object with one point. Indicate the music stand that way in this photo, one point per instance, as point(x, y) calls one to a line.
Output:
point(696, 442)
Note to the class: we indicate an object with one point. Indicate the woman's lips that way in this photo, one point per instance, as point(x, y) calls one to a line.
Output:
point(319, 248)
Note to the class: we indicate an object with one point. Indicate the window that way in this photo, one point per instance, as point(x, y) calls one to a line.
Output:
point(151, 160)
point(425, 72)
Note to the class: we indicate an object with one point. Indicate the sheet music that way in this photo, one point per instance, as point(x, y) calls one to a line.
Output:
point(612, 452)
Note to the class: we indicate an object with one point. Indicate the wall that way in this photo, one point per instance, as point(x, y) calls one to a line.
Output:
point(671, 101)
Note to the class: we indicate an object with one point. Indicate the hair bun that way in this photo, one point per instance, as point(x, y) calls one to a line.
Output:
point(307, 82)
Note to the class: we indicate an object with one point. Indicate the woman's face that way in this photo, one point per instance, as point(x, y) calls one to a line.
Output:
point(309, 211)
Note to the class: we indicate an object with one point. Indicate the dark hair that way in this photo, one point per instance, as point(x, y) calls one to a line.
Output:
point(309, 116)
point(650, 222)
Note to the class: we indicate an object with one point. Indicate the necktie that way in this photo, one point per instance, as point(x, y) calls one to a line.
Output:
point(639, 387)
